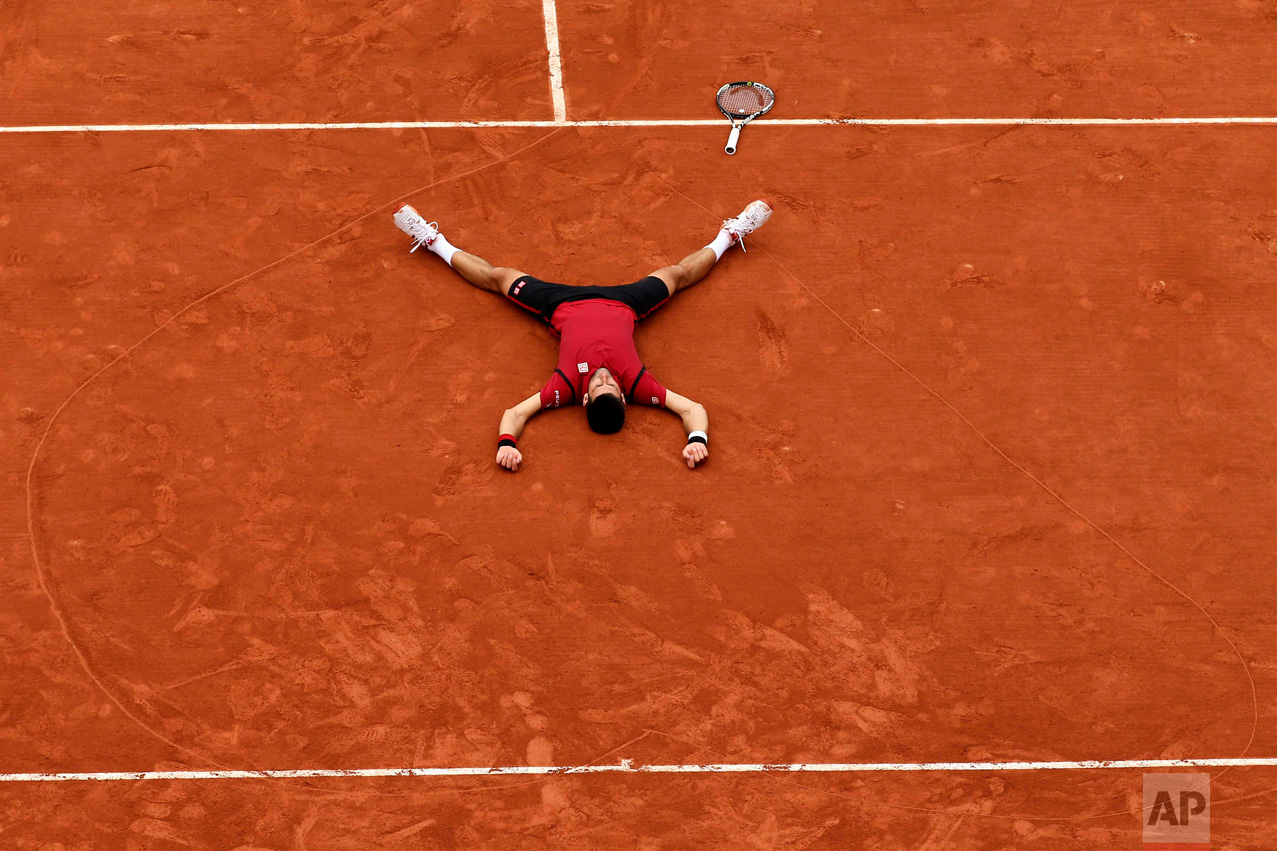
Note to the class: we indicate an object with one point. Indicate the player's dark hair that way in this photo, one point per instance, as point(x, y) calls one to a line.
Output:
point(605, 413)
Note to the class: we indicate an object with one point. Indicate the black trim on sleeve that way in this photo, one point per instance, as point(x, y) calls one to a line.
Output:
point(571, 386)
point(634, 386)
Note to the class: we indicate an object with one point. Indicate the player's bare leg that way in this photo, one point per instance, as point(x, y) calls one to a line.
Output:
point(690, 270)
point(695, 266)
point(483, 274)
point(473, 268)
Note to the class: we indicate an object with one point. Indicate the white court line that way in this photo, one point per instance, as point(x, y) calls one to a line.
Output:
point(556, 61)
point(670, 122)
point(628, 767)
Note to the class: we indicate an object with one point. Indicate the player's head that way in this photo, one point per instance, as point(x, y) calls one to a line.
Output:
point(604, 403)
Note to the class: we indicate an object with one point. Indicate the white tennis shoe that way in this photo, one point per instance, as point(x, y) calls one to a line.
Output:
point(414, 224)
point(751, 219)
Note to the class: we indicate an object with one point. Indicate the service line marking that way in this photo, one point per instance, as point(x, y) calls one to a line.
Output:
point(628, 767)
point(556, 61)
point(663, 122)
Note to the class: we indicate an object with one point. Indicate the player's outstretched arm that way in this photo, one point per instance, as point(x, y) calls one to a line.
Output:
point(512, 423)
point(695, 423)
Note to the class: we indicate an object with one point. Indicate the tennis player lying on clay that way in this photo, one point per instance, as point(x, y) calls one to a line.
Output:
point(598, 362)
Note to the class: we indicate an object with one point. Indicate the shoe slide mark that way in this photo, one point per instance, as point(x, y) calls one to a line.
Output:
point(773, 347)
point(965, 276)
point(604, 518)
point(1263, 234)
point(466, 478)
point(429, 328)
point(775, 451)
point(883, 668)
point(875, 323)
point(689, 551)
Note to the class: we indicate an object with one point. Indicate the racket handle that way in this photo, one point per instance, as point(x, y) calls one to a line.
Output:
point(732, 139)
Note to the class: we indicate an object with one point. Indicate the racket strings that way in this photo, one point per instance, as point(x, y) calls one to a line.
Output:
point(744, 100)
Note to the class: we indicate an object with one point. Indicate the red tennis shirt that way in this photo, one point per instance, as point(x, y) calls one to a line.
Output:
point(597, 333)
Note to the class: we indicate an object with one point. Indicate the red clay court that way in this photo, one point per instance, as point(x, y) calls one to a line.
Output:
point(992, 415)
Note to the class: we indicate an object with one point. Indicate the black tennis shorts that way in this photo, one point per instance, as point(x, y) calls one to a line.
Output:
point(543, 297)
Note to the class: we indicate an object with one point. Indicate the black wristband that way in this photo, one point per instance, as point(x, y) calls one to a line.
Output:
point(505, 441)
point(696, 438)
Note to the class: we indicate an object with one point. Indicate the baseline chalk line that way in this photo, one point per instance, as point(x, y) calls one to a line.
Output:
point(671, 122)
point(628, 767)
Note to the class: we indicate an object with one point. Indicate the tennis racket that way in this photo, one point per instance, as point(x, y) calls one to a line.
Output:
point(742, 103)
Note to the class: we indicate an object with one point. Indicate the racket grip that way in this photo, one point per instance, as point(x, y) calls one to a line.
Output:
point(732, 140)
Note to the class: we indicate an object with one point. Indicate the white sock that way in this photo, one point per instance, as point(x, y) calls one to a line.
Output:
point(443, 248)
point(721, 243)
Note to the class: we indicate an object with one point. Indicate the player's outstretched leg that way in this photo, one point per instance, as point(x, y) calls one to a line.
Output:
point(695, 266)
point(472, 267)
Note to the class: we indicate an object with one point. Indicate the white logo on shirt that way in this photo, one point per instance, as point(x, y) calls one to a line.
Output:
point(582, 368)
point(654, 402)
